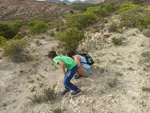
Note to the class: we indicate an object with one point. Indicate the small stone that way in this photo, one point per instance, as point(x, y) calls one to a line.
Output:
point(32, 88)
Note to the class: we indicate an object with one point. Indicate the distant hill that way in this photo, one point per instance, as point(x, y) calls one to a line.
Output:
point(121, 1)
point(30, 10)
point(64, 1)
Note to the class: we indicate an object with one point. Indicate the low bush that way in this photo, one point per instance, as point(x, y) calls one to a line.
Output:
point(81, 19)
point(37, 27)
point(48, 95)
point(146, 32)
point(146, 89)
point(117, 41)
point(70, 38)
point(16, 51)
point(113, 27)
point(105, 11)
point(19, 36)
point(134, 16)
point(55, 24)
point(84, 8)
point(10, 30)
point(111, 7)
point(57, 110)
point(2, 40)
point(137, 1)
point(100, 12)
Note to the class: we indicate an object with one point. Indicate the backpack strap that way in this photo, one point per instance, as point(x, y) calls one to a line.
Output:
point(83, 62)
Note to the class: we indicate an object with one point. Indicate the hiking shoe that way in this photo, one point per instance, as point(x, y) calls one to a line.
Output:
point(75, 93)
point(77, 77)
point(65, 91)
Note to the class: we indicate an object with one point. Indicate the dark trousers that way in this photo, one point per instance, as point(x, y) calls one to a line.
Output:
point(68, 77)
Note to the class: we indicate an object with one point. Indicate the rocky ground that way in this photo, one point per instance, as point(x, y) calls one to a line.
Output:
point(119, 82)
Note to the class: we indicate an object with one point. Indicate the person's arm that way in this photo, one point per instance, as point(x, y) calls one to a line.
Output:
point(77, 60)
point(62, 67)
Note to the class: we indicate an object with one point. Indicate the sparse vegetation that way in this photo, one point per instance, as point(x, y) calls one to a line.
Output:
point(37, 42)
point(117, 41)
point(102, 12)
point(80, 20)
point(48, 95)
point(19, 36)
point(145, 89)
point(37, 27)
point(2, 40)
point(84, 8)
point(16, 51)
point(113, 27)
point(111, 7)
point(114, 83)
point(134, 16)
point(10, 30)
point(146, 32)
point(57, 110)
point(70, 39)
point(57, 24)
point(137, 1)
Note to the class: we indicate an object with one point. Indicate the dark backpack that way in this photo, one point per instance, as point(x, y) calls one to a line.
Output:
point(88, 58)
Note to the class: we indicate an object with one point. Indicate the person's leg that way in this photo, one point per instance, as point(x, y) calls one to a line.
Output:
point(87, 72)
point(81, 71)
point(68, 77)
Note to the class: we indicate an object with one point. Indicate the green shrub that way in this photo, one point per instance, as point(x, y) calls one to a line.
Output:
point(113, 27)
point(111, 7)
point(55, 24)
point(2, 40)
point(37, 27)
point(134, 16)
point(84, 8)
point(100, 12)
point(19, 36)
point(37, 99)
point(70, 39)
point(10, 30)
point(16, 26)
point(137, 1)
point(58, 110)
point(117, 41)
point(48, 95)
point(82, 19)
point(16, 51)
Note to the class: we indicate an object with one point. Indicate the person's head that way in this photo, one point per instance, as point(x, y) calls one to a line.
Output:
point(71, 53)
point(52, 54)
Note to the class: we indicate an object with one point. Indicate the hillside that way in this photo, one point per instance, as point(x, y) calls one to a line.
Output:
point(30, 10)
point(115, 85)
point(120, 46)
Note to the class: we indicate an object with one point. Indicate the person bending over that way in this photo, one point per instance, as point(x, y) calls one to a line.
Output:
point(83, 68)
point(72, 68)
